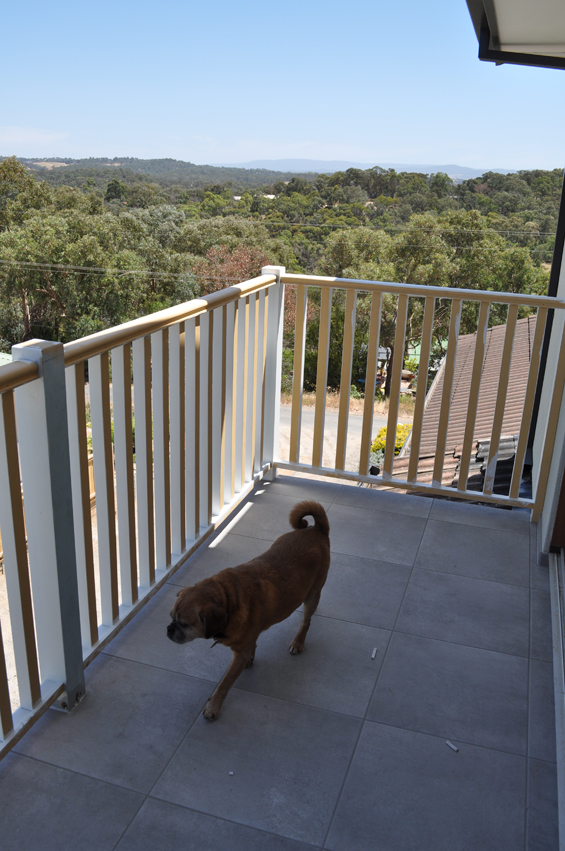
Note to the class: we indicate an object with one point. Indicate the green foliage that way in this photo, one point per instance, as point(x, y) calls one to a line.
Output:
point(98, 242)
point(402, 432)
point(116, 191)
point(287, 367)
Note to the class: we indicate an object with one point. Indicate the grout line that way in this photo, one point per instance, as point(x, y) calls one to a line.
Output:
point(381, 511)
point(295, 702)
point(441, 738)
point(181, 743)
point(427, 637)
point(478, 578)
point(364, 719)
point(78, 773)
point(130, 822)
point(161, 668)
point(461, 644)
point(512, 532)
point(527, 783)
point(242, 825)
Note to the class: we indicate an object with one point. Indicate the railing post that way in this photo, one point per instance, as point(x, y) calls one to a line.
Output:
point(46, 475)
point(273, 369)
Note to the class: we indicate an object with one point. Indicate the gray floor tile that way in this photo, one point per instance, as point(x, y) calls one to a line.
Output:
point(288, 731)
point(145, 640)
point(543, 829)
point(457, 692)
point(299, 488)
point(268, 516)
point(160, 826)
point(362, 590)
point(229, 551)
point(335, 671)
point(375, 534)
point(127, 728)
point(483, 553)
point(466, 611)
point(44, 807)
point(542, 644)
point(378, 500)
point(288, 765)
point(408, 791)
point(542, 711)
point(481, 516)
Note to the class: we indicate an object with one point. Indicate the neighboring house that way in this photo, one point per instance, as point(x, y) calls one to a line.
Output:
point(521, 353)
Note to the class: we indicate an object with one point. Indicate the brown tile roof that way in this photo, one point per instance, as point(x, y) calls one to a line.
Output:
point(521, 354)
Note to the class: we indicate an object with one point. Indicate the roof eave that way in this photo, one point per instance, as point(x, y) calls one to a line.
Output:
point(483, 16)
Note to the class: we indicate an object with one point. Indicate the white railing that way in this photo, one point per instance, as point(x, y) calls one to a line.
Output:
point(202, 381)
point(409, 479)
point(184, 420)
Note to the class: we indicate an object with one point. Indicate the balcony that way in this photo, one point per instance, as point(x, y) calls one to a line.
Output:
point(341, 747)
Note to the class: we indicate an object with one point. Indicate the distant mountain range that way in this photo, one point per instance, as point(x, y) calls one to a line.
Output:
point(456, 172)
point(59, 170)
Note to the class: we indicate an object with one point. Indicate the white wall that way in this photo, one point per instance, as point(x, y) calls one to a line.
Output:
point(558, 461)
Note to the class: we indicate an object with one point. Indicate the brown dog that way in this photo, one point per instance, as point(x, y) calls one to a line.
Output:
point(236, 605)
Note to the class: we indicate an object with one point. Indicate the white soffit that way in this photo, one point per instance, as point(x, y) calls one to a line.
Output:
point(531, 26)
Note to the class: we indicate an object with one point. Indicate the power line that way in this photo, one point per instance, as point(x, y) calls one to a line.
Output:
point(29, 265)
point(404, 229)
point(56, 267)
point(269, 222)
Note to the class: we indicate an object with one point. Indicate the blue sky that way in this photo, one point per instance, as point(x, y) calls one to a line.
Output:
point(225, 82)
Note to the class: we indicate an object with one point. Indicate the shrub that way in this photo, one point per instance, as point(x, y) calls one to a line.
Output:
point(402, 432)
point(411, 364)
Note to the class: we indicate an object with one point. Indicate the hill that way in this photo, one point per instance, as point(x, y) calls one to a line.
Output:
point(455, 172)
point(59, 171)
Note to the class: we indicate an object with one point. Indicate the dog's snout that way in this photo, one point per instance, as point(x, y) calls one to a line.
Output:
point(175, 633)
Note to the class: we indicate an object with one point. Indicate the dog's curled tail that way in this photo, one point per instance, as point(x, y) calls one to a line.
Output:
point(309, 508)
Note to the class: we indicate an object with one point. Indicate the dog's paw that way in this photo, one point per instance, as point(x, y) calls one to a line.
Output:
point(210, 712)
point(296, 647)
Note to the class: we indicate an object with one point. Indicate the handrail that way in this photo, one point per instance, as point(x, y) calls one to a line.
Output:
point(15, 374)
point(103, 341)
point(420, 290)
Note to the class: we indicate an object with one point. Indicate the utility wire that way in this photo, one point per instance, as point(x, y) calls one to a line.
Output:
point(269, 222)
point(56, 267)
point(61, 267)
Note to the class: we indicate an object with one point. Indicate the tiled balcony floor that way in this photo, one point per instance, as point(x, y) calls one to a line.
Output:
point(330, 749)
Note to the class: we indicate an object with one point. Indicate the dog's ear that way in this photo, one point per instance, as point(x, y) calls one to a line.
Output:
point(213, 619)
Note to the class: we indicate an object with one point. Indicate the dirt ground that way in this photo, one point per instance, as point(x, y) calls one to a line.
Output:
point(405, 410)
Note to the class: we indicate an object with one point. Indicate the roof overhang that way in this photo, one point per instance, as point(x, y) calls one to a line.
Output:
point(520, 32)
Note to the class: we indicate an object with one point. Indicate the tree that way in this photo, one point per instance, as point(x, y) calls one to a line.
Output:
point(116, 191)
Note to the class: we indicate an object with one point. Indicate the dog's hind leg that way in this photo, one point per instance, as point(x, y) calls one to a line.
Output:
point(238, 663)
point(310, 606)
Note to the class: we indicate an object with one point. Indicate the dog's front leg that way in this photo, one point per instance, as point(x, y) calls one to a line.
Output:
point(238, 663)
